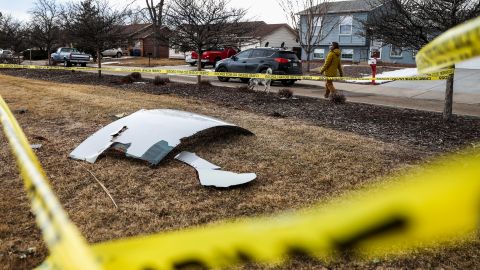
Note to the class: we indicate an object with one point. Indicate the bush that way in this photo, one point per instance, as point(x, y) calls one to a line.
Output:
point(285, 93)
point(160, 80)
point(127, 79)
point(338, 98)
point(36, 55)
point(136, 76)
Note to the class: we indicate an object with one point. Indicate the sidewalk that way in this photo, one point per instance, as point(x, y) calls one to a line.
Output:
point(417, 95)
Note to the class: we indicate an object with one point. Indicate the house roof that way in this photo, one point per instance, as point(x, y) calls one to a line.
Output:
point(270, 28)
point(133, 29)
point(262, 29)
point(139, 31)
point(346, 6)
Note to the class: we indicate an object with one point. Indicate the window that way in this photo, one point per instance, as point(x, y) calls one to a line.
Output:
point(346, 25)
point(244, 54)
point(395, 51)
point(414, 53)
point(319, 54)
point(347, 54)
point(258, 54)
point(318, 26)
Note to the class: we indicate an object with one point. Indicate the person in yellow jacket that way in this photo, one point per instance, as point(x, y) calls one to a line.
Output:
point(332, 64)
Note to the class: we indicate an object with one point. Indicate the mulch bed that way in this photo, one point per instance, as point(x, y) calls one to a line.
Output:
point(426, 130)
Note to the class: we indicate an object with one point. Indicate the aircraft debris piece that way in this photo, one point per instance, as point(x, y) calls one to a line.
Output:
point(147, 134)
point(210, 175)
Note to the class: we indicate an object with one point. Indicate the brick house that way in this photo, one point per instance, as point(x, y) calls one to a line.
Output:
point(140, 41)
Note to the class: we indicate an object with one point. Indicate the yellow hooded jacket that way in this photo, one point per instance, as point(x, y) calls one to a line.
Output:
point(332, 64)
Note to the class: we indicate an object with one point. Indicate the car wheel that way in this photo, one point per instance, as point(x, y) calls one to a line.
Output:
point(84, 64)
point(245, 80)
point(288, 82)
point(203, 65)
point(119, 54)
point(193, 64)
point(223, 79)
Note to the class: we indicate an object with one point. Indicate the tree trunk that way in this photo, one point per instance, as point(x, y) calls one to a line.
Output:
point(99, 60)
point(308, 62)
point(48, 56)
point(199, 66)
point(447, 110)
point(155, 41)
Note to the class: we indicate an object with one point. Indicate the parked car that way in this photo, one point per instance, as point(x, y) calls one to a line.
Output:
point(6, 56)
point(211, 56)
point(69, 56)
point(114, 52)
point(258, 60)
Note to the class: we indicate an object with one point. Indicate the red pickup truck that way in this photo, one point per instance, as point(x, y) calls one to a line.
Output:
point(211, 56)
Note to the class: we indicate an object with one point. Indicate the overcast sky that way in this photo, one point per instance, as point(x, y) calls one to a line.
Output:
point(264, 10)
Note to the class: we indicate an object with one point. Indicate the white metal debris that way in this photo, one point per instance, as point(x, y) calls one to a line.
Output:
point(210, 175)
point(147, 134)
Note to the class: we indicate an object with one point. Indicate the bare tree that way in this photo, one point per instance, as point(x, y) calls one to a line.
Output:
point(200, 24)
point(94, 26)
point(311, 22)
point(45, 25)
point(137, 15)
point(156, 13)
point(13, 34)
point(412, 24)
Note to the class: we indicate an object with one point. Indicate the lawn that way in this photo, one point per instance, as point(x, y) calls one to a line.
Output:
point(297, 162)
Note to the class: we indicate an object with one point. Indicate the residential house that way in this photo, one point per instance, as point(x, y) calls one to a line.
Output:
point(260, 34)
point(140, 41)
point(271, 35)
point(345, 21)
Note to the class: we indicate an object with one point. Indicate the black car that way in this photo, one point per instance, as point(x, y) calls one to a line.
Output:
point(258, 60)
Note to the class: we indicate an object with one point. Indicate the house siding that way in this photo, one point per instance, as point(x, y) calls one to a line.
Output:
point(275, 39)
point(359, 53)
point(148, 47)
point(356, 41)
point(407, 57)
point(279, 36)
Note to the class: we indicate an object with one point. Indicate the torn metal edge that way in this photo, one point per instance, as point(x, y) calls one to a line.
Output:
point(210, 175)
point(115, 131)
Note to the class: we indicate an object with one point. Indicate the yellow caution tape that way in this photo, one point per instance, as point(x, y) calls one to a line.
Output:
point(456, 45)
point(441, 75)
point(437, 204)
point(68, 248)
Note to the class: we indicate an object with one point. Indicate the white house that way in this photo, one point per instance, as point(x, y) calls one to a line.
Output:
point(264, 35)
point(273, 35)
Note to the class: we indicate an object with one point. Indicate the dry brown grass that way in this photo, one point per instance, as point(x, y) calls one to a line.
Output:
point(297, 165)
point(143, 62)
